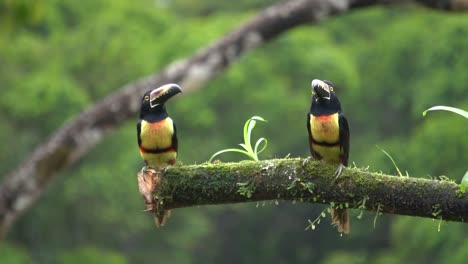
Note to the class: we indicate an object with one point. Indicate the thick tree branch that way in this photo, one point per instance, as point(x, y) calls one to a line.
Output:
point(22, 186)
point(289, 179)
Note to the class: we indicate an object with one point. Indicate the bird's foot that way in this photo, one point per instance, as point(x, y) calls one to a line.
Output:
point(149, 208)
point(147, 168)
point(338, 171)
point(307, 160)
point(164, 169)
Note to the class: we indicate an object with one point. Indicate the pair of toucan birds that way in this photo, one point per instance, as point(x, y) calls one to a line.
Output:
point(326, 125)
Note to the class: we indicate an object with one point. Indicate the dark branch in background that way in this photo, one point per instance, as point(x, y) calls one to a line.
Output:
point(23, 185)
point(289, 179)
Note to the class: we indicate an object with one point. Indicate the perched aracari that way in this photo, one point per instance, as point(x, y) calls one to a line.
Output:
point(156, 133)
point(329, 137)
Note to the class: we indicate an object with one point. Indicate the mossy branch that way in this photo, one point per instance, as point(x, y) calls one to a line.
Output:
point(289, 179)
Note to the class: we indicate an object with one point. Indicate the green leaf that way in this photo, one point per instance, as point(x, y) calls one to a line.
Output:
point(248, 126)
point(244, 146)
point(229, 150)
point(464, 183)
point(256, 151)
point(447, 108)
point(393, 161)
point(258, 118)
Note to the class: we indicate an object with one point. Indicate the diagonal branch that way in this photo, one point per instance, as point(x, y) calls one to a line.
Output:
point(289, 179)
point(23, 185)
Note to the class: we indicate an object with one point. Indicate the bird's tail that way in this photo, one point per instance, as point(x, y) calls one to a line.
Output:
point(161, 216)
point(340, 218)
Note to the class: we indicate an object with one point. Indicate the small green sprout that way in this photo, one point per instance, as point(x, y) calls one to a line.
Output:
point(246, 188)
point(309, 186)
point(393, 161)
point(313, 224)
point(440, 223)
point(378, 213)
point(436, 211)
point(464, 183)
point(362, 207)
point(247, 147)
point(447, 108)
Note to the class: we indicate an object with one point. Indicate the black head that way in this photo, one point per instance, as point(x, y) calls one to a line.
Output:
point(153, 101)
point(324, 99)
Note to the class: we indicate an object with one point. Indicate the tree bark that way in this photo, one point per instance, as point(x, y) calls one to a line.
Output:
point(23, 185)
point(290, 179)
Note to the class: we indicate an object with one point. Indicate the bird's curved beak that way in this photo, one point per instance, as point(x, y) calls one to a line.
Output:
point(321, 89)
point(160, 95)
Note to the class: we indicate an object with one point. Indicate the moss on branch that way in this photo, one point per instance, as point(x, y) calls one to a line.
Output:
point(289, 179)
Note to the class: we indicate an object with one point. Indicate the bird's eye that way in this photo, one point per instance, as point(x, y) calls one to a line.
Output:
point(331, 89)
point(146, 98)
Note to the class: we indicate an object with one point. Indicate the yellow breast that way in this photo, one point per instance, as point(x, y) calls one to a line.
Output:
point(161, 159)
point(325, 128)
point(330, 155)
point(157, 135)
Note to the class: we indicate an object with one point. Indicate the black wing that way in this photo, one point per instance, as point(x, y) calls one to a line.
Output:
point(139, 132)
point(175, 143)
point(344, 138)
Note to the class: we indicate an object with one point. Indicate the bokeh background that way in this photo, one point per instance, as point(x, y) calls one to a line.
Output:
point(57, 57)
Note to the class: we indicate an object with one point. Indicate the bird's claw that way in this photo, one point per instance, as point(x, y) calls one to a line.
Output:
point(164, 169)
point(338, 172)
point(307, 160)
point(147, 168)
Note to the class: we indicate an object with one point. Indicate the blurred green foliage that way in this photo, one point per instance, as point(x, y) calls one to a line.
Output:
point(388, 64)
point(13, 254)
point(91, 256)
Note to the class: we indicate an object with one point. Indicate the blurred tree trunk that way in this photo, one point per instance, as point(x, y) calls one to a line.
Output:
point(24, 184)
point(290, 179)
